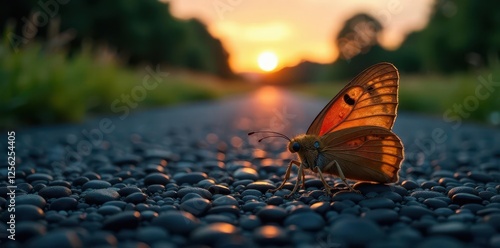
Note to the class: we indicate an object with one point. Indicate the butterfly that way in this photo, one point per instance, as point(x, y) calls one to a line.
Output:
point(352, 136)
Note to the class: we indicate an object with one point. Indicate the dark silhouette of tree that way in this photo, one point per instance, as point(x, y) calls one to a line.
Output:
point(140, 31)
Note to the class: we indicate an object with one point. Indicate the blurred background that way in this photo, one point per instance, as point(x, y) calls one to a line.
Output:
point(64, 61)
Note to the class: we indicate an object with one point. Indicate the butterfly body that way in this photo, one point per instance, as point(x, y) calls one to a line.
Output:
point(352, 136)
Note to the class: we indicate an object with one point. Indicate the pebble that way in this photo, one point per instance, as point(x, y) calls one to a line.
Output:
point(155, 188)
point(338, 206)
point(355, 232)
point(219, 189)
point(214, 234)
point(435, 203)
point(123, 220)
point(275, 200)
point(270, 236)
point(464, 198)
point(439, 242)
point(253, 206)
point(60, 183)
point(39, 177)
point(261, 186)
point(246, 173)
point(309, 221)
point(250, 222)
point(320, 207)
point(200, 191)
point(220, 218)
point(108, 210)
point(272, 214)
point(54, 192)
point(409, 184)
point(25, 186)
point(101, 196)
point(190, 196)
point(225, 200)
point(395, 197)
point(382, 216)
point(480, 176)
point(314, 183)
point(495, 198)
point(486, 195)
point(377, 202)
point(415, 212)
point(136, 198)
point(28, 230)
point(429, 184)
point(80, 181)
point(425, 194)
point(457, 230)
point(129, 190)
point(347, 195)
point(64, 203)
point(127, 159)
point(35, 200)
point(151, 234)
point(101, 239)
point(57, 238)
point(366, 187)
point(96, 184)
point(493, 220)
point(28, 213)
point(461, 189)
point(196, 206)
point(226, 209)
point(251, 192)
point(177, 222)
point(191, 178)
point(156, 178)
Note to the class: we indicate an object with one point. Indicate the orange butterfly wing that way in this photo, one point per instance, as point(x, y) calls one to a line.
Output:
point(366, 153)
point(370, 99)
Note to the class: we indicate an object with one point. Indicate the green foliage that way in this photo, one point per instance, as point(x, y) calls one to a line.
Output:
point(141, 31)
point(38, 87)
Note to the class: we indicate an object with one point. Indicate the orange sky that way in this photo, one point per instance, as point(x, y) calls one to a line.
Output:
point(296, 30)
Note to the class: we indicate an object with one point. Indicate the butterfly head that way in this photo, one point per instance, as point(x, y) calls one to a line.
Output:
point(307, 147)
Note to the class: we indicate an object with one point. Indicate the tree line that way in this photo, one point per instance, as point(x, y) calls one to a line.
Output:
point(139, 31)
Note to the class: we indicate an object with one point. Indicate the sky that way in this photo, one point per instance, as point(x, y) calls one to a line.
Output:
point(296, 30)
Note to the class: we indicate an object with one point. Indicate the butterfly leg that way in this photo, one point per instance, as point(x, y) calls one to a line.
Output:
point(301, 172)
point(287, 175)
point(341, 174)
point(327, 187)
point(303, 179)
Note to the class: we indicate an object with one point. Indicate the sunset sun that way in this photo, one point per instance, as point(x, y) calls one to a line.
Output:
point(267, 61)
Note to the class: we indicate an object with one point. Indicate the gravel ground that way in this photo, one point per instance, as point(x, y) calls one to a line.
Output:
point(189, 176)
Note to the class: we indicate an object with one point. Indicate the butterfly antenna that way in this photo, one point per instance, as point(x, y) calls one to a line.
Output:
point(275, 135)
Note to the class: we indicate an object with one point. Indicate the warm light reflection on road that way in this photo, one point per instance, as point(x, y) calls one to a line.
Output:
point(268, 96)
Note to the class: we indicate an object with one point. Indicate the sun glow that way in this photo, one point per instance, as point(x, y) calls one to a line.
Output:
point(267, 61)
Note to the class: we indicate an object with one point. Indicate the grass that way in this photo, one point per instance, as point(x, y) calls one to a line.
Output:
point(438, 94)
point(42, 87)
